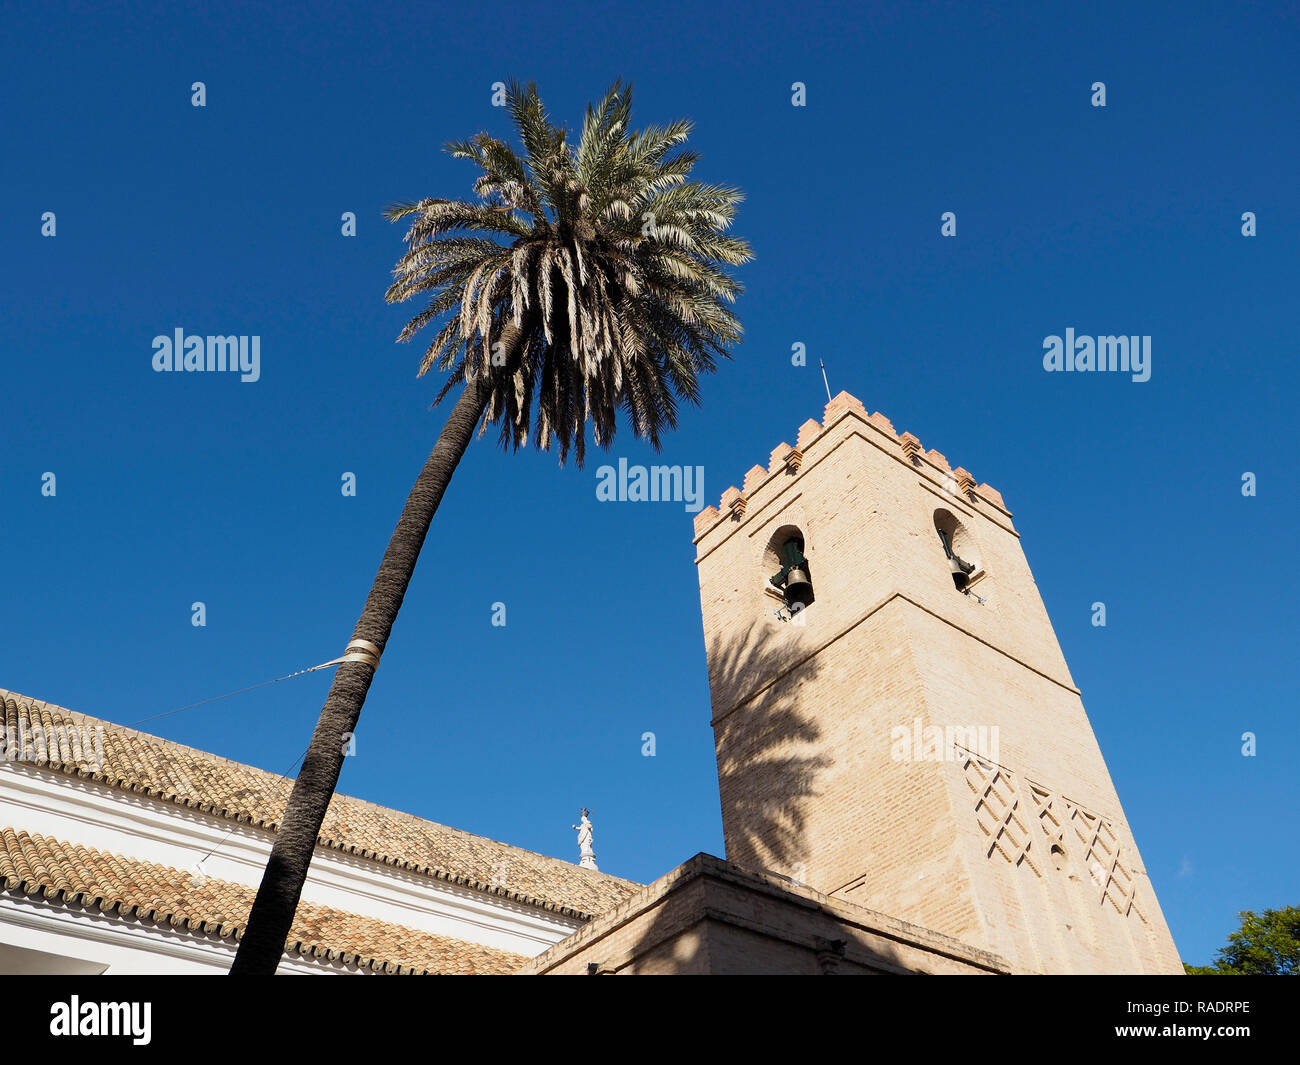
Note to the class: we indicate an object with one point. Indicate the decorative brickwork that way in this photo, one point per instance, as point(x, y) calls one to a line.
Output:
point(1000, 811)
point(1004, 818)
point(1064, 822)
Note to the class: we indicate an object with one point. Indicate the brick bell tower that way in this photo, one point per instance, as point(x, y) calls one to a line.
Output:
point(894, 720)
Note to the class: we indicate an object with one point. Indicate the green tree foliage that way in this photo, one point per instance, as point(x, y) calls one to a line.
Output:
point(1266, 944)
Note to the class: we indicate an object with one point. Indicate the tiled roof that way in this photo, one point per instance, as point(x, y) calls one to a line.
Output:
point(134, 890)
point(137, 762)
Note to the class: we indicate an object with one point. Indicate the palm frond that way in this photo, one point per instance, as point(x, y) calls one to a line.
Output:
point(611, 263)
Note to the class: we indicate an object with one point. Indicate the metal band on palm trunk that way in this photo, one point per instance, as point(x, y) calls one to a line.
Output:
point(362, 651)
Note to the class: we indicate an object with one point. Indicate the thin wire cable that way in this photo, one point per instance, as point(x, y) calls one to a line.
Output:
point(198, 870)
point(218, 698)
point(199, 864)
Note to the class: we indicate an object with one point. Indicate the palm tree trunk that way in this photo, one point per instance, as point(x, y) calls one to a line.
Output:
point(263, 942)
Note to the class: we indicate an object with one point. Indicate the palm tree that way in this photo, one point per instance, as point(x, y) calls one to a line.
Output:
point(584, 280)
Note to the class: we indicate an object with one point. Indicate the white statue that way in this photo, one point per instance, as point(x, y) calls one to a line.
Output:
point(586, 853)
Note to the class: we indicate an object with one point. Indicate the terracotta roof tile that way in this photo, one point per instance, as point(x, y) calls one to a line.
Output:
point(136, 890)
point(138, 762)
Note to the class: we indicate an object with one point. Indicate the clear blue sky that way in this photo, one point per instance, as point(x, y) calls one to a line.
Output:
point(226, 219)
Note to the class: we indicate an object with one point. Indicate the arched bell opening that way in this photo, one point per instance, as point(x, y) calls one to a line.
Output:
point(960, 550)
point(792, 578)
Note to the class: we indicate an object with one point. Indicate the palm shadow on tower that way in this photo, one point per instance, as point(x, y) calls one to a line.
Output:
point(769, 753)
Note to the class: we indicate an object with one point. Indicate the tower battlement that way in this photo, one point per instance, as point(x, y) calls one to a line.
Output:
point(786, 459)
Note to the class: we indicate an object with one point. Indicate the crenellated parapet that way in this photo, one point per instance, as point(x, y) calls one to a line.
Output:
point(787, 459)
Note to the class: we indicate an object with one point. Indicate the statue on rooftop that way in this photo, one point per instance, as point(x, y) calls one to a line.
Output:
point(586, 854)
